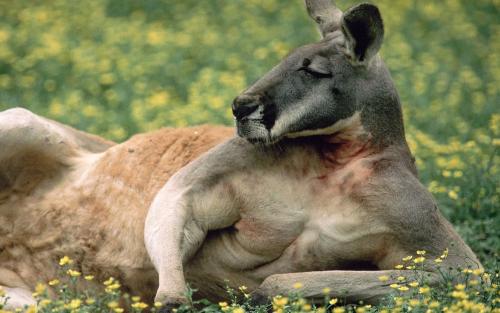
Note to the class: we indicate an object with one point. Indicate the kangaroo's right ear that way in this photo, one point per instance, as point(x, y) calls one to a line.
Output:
point(364, 32)
point(326, 14)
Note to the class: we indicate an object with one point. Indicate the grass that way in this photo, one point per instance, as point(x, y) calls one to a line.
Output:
point(119, 67)
point(462, 290)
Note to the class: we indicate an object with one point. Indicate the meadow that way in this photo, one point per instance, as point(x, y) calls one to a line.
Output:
point(119, 67)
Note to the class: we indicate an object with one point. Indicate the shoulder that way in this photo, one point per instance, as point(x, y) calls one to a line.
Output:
point(396, 196)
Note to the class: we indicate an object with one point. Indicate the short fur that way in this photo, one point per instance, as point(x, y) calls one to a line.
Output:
point(320, 187)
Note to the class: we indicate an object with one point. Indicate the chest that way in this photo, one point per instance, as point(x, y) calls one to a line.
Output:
point(313, 211)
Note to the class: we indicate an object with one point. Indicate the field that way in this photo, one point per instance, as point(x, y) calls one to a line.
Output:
point(119, 67)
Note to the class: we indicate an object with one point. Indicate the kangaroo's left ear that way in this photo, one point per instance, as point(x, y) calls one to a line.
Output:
point(364, 32)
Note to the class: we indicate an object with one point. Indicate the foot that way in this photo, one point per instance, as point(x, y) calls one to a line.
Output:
point(169, 307)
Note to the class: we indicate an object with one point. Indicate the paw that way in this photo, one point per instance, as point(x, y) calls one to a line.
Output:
point(258, 298)
point(169, 307)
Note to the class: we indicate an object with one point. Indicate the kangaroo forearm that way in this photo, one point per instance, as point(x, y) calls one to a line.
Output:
point(353, 286)
point(164, 232)
point(177, 224)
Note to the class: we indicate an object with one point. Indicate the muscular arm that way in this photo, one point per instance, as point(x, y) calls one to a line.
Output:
point(409, 212)
point(199, 198)
point(351, 286)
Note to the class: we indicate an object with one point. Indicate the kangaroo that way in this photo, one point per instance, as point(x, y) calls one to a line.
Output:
point(318, 187)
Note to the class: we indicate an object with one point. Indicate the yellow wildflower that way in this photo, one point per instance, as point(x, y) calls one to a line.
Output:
point(360, 310)
point(413, 284)
point(398, 300)
point(112, 304)
point(73, 273)
point(460, 287)
point(89, 277)
point(118, 310)
point(136, 299)
point(339, 309)
point(424, 290)
point(421, 252)
point(31, 309)
point(445, 254)
point(453, 195)
point(399, 267)
point(221, 304)
point(458, 174)
point(280, 301)
point(438, 260)
point(383, 278)
point(326, 290)
point(90, 301)
point(434, 305)
point(65, 261)
point(139, 305)
point(407, 258)
point(109, 281)
point(112, 288)
point(306, 307)
point(459, 294)
point(158, 304)
point(403, 288)
point(297, 285)
point(478, 271)
point(239, 310)
point(54, 282)
point(394, 286)
point(75, 304)
point(40, 288)
point(419, 260)
point(333, 301)
point(401, 278)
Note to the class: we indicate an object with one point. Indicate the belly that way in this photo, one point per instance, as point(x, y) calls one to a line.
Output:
point(332, 236)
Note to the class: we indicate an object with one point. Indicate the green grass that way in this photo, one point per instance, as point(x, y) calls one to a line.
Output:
point(119, 67)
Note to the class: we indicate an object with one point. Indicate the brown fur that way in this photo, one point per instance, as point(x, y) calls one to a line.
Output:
point(92, 209)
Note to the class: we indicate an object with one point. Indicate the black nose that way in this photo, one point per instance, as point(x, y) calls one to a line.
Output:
point(245, 105)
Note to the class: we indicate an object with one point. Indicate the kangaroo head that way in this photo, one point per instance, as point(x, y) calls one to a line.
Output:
point(319, 88)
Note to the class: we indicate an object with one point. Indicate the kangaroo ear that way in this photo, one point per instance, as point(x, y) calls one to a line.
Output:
point(364, 32)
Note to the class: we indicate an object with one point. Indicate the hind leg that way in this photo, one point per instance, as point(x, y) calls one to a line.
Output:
point(34, 148)
point(22, 129)
point(15, 298)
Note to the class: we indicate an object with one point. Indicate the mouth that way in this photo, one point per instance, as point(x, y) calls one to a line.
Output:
point(256, 127)
point(254, 131)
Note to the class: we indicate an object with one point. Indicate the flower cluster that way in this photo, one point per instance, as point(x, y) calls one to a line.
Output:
point(65, 295)
point(477, 291)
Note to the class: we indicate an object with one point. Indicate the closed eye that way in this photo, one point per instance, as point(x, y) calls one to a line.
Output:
point(314, 73)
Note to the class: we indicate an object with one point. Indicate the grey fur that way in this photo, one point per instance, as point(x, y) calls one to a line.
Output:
point(323, 179)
